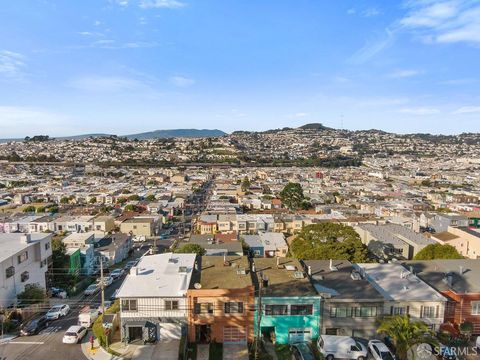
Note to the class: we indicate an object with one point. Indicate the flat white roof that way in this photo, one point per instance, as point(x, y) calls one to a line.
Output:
point(395, 282)
point(162, 275)
point(11, 243)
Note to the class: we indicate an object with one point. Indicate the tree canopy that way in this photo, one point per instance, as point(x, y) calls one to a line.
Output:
point(404, 332)
point(32, 294)
point(191, 248)
point(292, 196)
point(245, 184)
point(329, 241)
point(438, 251)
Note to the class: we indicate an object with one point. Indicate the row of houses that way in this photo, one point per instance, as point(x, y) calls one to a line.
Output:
point(231, 299)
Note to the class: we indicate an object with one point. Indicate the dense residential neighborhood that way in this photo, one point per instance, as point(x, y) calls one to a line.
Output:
point(186, 260)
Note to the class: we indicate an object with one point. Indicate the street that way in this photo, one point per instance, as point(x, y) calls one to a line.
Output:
point(48, 343)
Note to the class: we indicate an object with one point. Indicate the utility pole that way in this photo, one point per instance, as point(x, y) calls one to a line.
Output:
point(102, 285)
point(259, 316)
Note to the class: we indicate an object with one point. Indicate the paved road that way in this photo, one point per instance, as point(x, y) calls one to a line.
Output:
point(47, 345)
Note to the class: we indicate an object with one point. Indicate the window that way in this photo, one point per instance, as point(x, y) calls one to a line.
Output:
point(47, 246)
point(301, 309)
point(24, 276)
point(203, 308)
point(450, 308)
point(276, 310)
point(399, 310)
point(22, 257)
point(475, 307)
point(171, 304)
point(341, 312)
point(366, 311)
point(9, 272)
point(129, 305)
point(428, 312)
point(233, 307)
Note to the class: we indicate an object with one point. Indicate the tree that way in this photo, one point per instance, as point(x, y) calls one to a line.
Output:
point(329, 241)
point(150, 197)
point(191, 248)
point(245, 184)
point(29, 208)
point(64, 200)
point(121, 200)
point(61, 265)
point(404, 332)
point(292, 196)
point(33, 294)
point(93, 200)
point(438, 251)
point(133, 198)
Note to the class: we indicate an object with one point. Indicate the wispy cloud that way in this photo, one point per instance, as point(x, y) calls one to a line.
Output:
point(181, 81)
point(12, 65)
point(405, 73)
point(370, 12)
point(300, 115)
point(110, 84)
point(146, 4)
point(467, 110)
point(446, 21)
point(420, 111)
point(373, 47)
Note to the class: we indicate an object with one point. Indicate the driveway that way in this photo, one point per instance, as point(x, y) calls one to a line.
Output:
point(235, 352)
point(164, 350)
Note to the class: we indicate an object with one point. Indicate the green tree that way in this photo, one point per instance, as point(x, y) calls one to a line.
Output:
point(150, 197)
point(121, 200)
point(245, 184)
point(33, 294)
point(133, 198)
point(93, 200)
point(438, 251)
point(29, 208)
point(191, 248)
point(405, 333)
point(292, 196)
point(40, 209)
point(329, 241)
point(130, 207)
point(64, 200)
point(61, 263)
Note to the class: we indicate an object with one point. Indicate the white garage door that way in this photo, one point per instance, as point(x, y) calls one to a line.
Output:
point(170, 331)
point(296, 335)
point(234, 334)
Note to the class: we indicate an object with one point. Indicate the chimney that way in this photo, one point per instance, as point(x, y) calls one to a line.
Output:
point(253, 267)
point(26, 238)
point(278, 261)
point(265, 281)
point(331, 263)
point(134, 271)
point(461, 269)
point(309, 270)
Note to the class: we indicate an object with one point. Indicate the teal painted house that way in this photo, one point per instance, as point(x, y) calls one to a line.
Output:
point(290, 306)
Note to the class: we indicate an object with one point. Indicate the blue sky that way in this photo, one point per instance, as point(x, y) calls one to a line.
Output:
point(125, 66)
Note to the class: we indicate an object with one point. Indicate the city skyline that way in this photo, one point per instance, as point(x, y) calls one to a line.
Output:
point(127, 66)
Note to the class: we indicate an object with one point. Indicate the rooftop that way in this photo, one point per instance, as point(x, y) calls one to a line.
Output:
point(162, 275)
point(284, 279)
point(217, 274)
point(12, 243)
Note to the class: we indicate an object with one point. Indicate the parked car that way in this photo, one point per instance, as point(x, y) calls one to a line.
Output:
point(57, 312)
point(74, 334)
point(130, 264)
point(107, 281)
point(302, 351)
point(139, 238)
point(344, 347)
point(87, 316)
point(117, 273)
point(58, 293)
point(379, 350)
point(477, 343)
point(34, 326)
point(114, 296)
point(92, 289)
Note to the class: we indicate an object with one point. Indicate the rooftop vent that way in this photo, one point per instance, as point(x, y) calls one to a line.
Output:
point(299, 275)
point(333, 267)
point(172, 260)
point(290, 267)
point(241, 271)
point(182, 269)
point(355, 275)
point(197, 286)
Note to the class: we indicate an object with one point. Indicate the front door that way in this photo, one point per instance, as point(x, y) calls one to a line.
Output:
point(203, 333)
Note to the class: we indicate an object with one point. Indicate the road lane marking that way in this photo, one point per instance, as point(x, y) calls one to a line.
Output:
point(27, 342)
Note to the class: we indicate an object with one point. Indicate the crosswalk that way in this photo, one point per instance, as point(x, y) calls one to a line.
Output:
point(50, 330)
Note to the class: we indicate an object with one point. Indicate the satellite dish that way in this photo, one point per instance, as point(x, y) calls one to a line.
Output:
point(197, 286)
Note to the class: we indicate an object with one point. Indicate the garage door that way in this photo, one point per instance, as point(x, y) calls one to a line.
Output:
point(234, 334)
point(170, 331)
point(297, 335)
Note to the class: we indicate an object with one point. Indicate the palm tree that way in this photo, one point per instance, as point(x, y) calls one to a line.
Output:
point(405, 333)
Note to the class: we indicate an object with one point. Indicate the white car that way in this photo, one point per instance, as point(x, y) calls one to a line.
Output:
point(477, 343)
point(379, 350)
point(107, 281)
point(57, 312)
point(117, 273)
point(92, 289)
point(74, 334)
point(341, 347)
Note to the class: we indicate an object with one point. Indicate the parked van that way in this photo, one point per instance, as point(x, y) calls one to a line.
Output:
point(87, 316)
point(341, 347)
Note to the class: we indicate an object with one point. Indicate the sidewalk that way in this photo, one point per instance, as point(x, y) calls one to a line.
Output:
point(6, 338)
point(98, 353)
